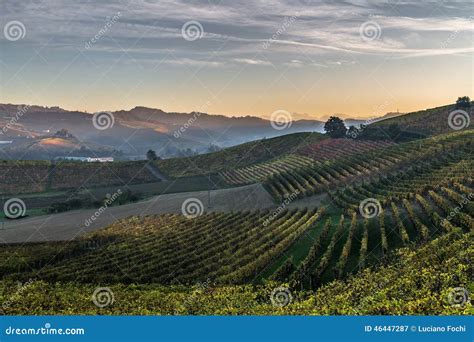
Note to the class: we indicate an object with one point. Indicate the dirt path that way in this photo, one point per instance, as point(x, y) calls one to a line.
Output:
point(68, 225)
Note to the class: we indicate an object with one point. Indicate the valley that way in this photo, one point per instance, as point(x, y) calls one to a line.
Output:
point(304, 214)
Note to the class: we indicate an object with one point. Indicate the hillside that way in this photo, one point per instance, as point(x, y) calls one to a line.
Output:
point(364, 166)
point(238, 156)
point(415, 281)
point(428, 122)
point(333, 226)
point(18, 177)
point(133, 132)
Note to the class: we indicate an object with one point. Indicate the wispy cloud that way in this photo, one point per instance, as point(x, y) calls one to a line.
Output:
point(252, 61)
point(320, 27)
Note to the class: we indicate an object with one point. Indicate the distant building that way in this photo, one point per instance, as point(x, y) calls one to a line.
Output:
point(87, 159)
point(100, 160)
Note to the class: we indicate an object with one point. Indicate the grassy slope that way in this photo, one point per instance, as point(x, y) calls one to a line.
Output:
point(418, 281)
point(237, 156)
point(426, 122)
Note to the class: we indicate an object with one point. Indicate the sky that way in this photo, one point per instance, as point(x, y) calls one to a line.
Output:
point(236, 57)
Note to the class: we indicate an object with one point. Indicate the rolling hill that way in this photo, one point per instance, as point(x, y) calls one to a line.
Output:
point(355, 226)
point(133, 132)
point(429, 122)
point(415, 281)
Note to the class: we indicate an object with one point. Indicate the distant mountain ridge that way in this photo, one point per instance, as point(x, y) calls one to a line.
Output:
point(134, 131)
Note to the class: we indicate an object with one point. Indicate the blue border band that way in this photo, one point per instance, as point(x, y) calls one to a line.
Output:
point(242, 328)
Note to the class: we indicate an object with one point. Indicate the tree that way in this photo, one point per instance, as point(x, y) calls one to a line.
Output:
point(63, 133)
point(463, 102)
point(335, 127)
point(394, 130)
point(151, 155)
point(353, 132)
point(213, 148)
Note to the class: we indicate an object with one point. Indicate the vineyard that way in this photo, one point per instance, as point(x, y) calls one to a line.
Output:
point(417, 281)
point(261, 171)
point(228, 248)
point(23, 176)
point(357, 227)
point(306, 248)
point(331, 149)
point(39, 176)
point(75, 175)
point(238, 156)
point(306, 155)
point(428, 122)
point(321, 177)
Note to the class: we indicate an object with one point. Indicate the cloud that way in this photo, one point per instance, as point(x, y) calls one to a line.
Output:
point(252, 61)
point(238, 29)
